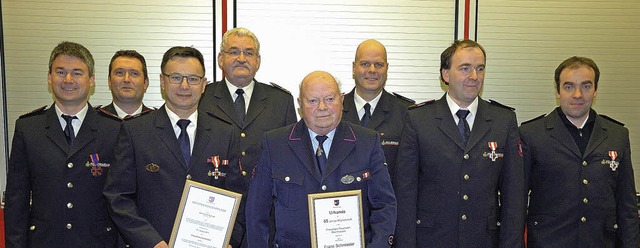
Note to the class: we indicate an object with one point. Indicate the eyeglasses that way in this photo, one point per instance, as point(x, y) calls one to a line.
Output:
point(234, 53)
point(177, 78)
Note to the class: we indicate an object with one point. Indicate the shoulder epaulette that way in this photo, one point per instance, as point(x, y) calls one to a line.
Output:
point(108, 114)
point(612, 120)
point(144, 112)
point(280, 88)
point(37, 111)
point(539, 117)
point(422, 104)
point(404, 98)
point(493, 102)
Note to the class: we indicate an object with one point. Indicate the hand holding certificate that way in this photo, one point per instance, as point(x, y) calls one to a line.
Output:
point(205, 217)
point(336, 219)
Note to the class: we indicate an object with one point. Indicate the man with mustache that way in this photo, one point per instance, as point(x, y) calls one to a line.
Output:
point(460, 179)
point(578, 169)
point(128, 81)
point(252, 107)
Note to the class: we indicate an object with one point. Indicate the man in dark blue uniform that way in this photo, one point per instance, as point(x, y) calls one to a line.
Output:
point(456, 154)
point(370, 105)
point(128, 81)
point(159, 151)
point(253, 107)
point(578, 168)
point(318, 154)
point(59, 161)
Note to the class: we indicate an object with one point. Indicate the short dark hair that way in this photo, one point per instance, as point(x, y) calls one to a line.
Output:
point(130, 54)
point(576, 62)
point(75, 50)
point(445, 57)
point(180, 51)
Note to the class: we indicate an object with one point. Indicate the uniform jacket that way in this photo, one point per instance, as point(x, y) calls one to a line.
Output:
point(448, 193)
point(270, 107)
point(111, 109)
point(567, 186)
point(145, 184)
point(68, 208)
point(287, 173)
point(387, 120)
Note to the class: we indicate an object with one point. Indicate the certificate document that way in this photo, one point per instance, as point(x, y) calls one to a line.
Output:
point(335, 219)
point(205, 217)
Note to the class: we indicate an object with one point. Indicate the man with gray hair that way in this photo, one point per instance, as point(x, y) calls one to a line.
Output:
point(319, 154)
point(59, 161)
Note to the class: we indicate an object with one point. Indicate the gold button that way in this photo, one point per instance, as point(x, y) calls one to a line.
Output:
point(70, 165)
point(244, 153)
point(358, 179)
point(32, 228)
point(69, 185)
point(189, 176)
point(584, 163)
point(466, 156)
point(286, 179)
point(244, 173)
point(585, 200)
point(615, 226)
point(585, 181)
point(464, 217)
point(418, 222)
point(324, 187)
point(69, 226)
point(583, 219)
point(243, 135)
point(465, 197)
point(466, 177)
point(498, 223)
point(69, 205)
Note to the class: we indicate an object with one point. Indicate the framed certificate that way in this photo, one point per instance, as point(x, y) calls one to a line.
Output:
point(205, 217)
point(335, 219)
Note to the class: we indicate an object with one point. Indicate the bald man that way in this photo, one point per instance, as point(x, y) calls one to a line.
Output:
point(369, 105)
point(319, 154)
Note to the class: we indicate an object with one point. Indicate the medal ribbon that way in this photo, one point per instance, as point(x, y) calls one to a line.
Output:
point(613, 155)
point(493, 145)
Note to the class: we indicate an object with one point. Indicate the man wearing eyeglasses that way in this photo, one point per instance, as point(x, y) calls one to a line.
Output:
point(158, 151)
point(128, 81)
point(252, 107)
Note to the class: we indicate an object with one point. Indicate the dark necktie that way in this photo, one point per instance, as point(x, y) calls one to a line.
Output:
point(367, 115)
point(68, 130)
point(463, 125)
point(240, 105)
point(183, 140)
point(321, 156)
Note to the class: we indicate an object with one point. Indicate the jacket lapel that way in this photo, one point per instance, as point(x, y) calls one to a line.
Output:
point(166, 134)
point(598, 135)
point(558, 131)
point(349, 112)
point(202, 141)
point(54, 131)
point(447, 125)
point(300, 144)
point(481, 124)
point(225, 102)
point(256, 104)
point(87, 133)
point(381, 111)
point(343, 142)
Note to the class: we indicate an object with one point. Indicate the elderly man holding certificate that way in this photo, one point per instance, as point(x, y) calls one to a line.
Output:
point(321, 154)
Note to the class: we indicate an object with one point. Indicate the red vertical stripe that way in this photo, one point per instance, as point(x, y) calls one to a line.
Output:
point(467, 4)
point(224, 16)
